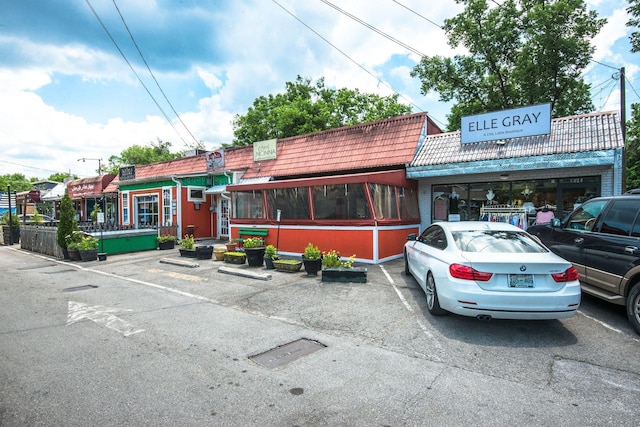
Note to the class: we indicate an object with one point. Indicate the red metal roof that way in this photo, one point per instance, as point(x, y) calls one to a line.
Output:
point(375, 145)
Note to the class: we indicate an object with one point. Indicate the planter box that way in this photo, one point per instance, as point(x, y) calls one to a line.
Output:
point(204, 252)
point(188, 253)
point(357, 275)
point(287, 266)
point(235, 259)
point(163, 246)
point(89, 255)
point(74, 254)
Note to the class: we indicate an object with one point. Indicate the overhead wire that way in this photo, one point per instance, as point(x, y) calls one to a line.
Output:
point(151, 72)
point(134, 71)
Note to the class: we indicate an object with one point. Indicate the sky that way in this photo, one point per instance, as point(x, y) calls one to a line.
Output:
point(71, 90)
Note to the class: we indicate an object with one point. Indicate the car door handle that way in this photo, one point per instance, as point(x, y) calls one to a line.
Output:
point(631, 250)
point(578, 241)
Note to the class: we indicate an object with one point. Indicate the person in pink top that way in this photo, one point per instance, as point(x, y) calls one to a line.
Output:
point(544, 216)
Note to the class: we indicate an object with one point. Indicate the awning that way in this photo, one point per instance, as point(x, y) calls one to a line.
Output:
point(217, 189)
point(55, 193)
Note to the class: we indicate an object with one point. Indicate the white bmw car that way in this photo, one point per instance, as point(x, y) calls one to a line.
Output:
point(490, 270)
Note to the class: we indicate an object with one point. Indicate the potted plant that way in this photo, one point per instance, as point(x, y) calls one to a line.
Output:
point(270, 255)
point(235, 257)
point(231, 245)
point(312, 259)
point(218, 253)
point(166, 241)
point(288, 265)
point(334, 269)
point(73, 244)
point(204, 252)
point(254, 248)
point(88, 248)
point(12, 229)
point(187, 246)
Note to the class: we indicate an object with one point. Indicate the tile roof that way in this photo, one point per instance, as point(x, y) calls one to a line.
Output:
point(588, 132)
point(380, 144)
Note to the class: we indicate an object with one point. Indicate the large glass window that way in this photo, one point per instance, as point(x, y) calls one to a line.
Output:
point(125, 208)
point(292, 202)
point(146, 210)
point(384, 201)
point(409, 207)
point(340, 201)
point(248, 204)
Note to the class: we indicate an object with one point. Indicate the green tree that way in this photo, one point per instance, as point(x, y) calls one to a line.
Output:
point(305, 108)
point(61, 176)
point(634, 11)
point(67, 223)
point(143, 155)
point(633, 148)
point(522, 52)
point(17, 181)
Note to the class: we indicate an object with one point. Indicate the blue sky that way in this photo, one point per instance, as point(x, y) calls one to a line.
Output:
point(67, 93)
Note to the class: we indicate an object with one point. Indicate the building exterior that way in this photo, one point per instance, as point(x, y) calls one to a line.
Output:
point(344, 189)
point(87, 193)
point(514, 179)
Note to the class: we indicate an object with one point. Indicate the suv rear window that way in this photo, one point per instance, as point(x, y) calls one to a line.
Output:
point(620, 217)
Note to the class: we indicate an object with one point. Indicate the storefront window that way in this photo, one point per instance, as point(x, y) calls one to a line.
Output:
point(292, 202)
point(166, 206)
point(248, 204)
point(384, 201)
point(409, 207)
point(146, 210)
point(125, 208)
point(340, 201)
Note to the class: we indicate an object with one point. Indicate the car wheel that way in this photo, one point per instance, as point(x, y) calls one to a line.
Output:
point(433, 304)
point(406, 265)
point(633, 307)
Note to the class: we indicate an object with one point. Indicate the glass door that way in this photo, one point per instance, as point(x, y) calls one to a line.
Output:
point(223, 218)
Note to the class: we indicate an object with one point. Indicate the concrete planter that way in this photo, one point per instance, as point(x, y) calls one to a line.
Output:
point(357, 275)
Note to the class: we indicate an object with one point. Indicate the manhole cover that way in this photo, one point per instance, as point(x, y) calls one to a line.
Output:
point(287, 353)
point(79, 288)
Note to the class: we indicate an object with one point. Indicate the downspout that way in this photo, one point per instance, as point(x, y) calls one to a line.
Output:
point(178, 205)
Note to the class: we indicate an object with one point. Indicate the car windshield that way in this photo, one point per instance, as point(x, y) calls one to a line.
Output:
point(497, 241)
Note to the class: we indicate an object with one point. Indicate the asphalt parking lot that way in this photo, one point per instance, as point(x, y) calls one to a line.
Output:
point(292, 350)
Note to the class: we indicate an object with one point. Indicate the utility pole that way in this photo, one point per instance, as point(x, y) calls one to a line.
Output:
point(623, 107)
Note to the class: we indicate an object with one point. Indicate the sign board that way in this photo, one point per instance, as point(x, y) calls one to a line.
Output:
point(127, 173)
point(215, 159)
point(504, 124)
point(264, 150)
point(100, 217)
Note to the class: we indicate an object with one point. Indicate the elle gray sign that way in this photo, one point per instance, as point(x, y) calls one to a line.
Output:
point(515, 123)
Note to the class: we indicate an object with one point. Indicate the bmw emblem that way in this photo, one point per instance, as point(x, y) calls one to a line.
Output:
point(523, 268)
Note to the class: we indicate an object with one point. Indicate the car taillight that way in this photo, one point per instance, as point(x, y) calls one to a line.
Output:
point(569, 275)
point(467, 273)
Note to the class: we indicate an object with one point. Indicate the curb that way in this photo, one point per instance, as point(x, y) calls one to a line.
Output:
point(244, 273)
point(180, 262)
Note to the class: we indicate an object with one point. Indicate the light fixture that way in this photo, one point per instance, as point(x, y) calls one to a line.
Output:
point(501, 142)
point(504, 176)
point(84, 159)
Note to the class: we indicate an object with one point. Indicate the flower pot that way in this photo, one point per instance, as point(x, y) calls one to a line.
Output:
point(312, 266)
point(268, 263)
point(356, 275)
point(102, 256)
point(231, 247)
point(74, 254)
point(88, 254)
point(255, 256)
point(204, 252)
point(188, 253)
point(235, 259)
point(289, 267)
point(6, 230)
point(169, 244)
point(219, 254)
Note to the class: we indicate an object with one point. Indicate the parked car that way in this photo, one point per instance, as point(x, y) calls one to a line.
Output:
point(490, 270)
point(601, 238)
point(29, 220)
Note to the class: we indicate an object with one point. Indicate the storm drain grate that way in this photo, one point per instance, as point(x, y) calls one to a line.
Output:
point(287, 353)
point(79, 288)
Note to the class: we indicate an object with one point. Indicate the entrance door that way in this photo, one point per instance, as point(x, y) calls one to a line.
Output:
point(223, 218)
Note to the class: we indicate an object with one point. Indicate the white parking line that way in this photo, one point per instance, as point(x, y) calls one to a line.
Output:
point(421, 324)
point(611, 328)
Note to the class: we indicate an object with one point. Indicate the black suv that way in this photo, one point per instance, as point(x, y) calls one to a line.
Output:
point(601, 238)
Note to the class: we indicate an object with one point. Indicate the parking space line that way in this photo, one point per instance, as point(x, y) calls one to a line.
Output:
point(421, 324)
point(611, 328)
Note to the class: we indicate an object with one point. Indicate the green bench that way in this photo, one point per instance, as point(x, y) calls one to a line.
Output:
point(251, 232)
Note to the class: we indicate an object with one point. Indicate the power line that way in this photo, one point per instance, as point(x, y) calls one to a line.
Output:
point(151, 72)
point(134, 71)
point(346, 56)
point(416, 13)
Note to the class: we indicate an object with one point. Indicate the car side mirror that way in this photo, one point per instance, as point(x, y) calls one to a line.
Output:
point(411, 237)
point(555, 222)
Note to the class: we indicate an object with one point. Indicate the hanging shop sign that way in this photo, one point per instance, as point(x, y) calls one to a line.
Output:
point(215, 159)
point(264, 150)
point(127, 173)
point(506, 124)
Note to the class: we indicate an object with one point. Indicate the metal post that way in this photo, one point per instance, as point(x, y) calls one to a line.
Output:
point(10, 217)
